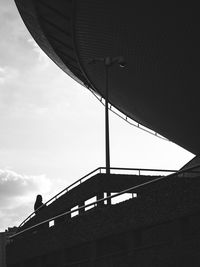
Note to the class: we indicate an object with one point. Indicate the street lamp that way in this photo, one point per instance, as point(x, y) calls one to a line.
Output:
point(108, 62)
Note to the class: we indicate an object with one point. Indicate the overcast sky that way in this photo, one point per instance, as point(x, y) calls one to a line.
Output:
point(52, 128)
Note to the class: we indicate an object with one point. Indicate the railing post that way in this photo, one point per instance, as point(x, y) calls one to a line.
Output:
point(100, 195)
point(109, 199)
point(81, 211)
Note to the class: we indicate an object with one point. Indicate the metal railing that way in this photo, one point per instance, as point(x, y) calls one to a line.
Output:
point(84, 206)
point(100, 170)
point(189, 170)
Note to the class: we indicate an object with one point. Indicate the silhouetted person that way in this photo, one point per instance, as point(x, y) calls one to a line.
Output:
point(38, 202)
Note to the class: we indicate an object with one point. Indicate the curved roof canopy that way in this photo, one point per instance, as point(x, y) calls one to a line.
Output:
point(160, 84)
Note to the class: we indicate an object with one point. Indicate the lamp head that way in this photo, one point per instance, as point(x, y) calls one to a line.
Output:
point(121, 62)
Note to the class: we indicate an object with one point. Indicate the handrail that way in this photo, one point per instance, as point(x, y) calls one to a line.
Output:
point(136, 169)
point(65, 190)
point(103, 199)
point(86, 177)
point(79, 208)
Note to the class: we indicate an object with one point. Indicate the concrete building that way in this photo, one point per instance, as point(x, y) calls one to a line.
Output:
point(4, 239)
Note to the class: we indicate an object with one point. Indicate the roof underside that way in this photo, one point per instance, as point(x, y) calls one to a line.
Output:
point(159, 86)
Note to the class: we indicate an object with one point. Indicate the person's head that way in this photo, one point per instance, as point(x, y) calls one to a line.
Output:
point(39, 198)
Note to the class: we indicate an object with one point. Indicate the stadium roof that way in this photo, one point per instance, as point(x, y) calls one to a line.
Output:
point(159, 88)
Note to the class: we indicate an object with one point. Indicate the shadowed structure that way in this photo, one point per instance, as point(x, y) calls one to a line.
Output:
point(159, 86)
point(158, 224)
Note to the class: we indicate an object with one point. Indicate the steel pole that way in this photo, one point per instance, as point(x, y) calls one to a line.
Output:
point(107, 143)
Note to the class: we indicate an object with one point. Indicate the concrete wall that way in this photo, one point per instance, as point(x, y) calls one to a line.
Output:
point(173, 243)
point(157, 227)
point(2, 250)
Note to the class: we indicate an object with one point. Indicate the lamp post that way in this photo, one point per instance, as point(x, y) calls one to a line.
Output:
point(108, 62)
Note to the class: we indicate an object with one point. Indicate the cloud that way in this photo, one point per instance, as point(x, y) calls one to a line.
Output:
point(2, 75)
point(17, 195)
point(14, 184)
point(30, 83)
point(7, 74)
point(13, 34)
point(43, 59)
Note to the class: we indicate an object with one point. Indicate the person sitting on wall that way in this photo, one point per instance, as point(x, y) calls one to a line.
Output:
point(38, 203)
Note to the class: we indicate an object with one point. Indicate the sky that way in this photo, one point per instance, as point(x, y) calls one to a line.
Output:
point(52, 128)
